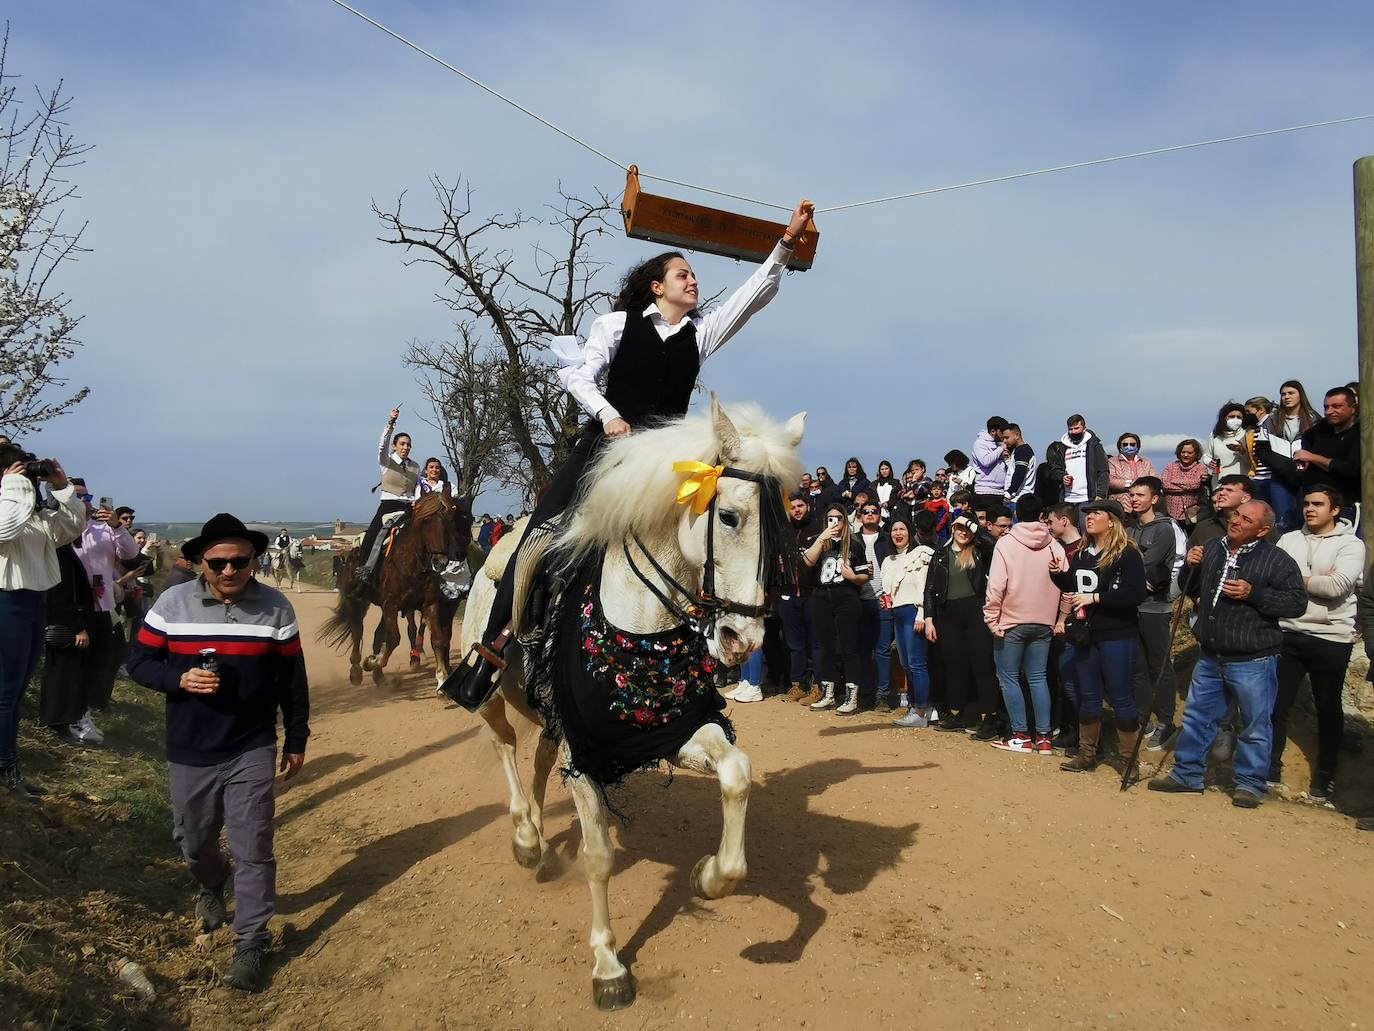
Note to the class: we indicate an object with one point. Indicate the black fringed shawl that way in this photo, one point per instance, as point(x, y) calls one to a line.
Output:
point(621, 701)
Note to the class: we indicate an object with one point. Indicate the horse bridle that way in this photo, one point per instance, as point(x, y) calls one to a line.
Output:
point(703, 608)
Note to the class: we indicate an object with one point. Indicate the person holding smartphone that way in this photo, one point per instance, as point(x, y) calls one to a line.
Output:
point(842, 568)
point(104, 547)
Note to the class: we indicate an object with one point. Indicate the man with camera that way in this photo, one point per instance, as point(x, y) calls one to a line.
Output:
point(30, 533)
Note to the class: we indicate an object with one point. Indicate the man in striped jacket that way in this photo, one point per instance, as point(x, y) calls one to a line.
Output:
point(226, 652)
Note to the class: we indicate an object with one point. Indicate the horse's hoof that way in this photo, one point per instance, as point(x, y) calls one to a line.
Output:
point(378, 675)
point(613, 993)
point(370, 663)
point(728, 887)
point(526, 856)
point(355, 676)
point(414, 665)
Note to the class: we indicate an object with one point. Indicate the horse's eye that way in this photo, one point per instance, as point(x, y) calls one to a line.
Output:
point(729, 518)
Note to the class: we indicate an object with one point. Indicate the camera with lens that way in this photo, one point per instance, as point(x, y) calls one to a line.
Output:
point(37, 468)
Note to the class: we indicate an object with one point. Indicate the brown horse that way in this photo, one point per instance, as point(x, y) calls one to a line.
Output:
point(406, 580)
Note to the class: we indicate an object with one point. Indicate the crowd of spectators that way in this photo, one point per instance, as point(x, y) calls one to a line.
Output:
point(1029, 595)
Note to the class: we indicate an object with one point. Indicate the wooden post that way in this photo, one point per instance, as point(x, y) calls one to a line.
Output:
point(1364, 300)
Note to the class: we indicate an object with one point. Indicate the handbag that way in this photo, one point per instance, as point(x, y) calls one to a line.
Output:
point(1076, 631)
point(58, 636)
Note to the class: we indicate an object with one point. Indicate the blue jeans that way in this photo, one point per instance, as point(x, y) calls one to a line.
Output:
point(1287, 512)
point(1024, 649)
point(911, 648)
point(21, 643)
point(803, 649)
point(1104, 668)
point(751, 670)
point(875, 643)
point(1255, 684)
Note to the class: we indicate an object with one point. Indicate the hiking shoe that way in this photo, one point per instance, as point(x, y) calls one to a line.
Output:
point(1161, 738)
point(1170, 786)
point(245, 969)
point(1016, 743)
point(911, 719)
point(1043, 745)
point(12, 780)
point(986, 730)
point(1243, 798)
point(210, 908)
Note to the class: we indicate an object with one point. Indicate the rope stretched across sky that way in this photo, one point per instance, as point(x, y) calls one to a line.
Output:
point(852, 204)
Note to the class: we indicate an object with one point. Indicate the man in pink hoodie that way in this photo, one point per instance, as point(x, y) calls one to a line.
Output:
point(1021, 609)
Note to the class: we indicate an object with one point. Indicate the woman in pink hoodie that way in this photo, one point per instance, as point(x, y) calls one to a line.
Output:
point(1021, 608)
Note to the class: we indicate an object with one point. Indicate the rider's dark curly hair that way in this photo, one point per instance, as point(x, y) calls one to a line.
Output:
point(636, 289)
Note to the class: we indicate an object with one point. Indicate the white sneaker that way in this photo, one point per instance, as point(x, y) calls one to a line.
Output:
point(730, 694)
point(746, 692)
point(827, 698)
point(87, 732)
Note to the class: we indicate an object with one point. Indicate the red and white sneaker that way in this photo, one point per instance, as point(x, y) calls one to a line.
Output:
point(1043, 746)
point(1016, 743)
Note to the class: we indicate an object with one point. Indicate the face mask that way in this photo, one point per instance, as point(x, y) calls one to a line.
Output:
point(1130, 450)
point(1233, 424)
point(1076, 437)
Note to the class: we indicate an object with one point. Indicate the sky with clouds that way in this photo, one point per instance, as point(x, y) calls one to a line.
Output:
point(243, 325)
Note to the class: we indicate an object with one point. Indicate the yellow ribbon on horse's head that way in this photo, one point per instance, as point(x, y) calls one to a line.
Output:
point(700, 485)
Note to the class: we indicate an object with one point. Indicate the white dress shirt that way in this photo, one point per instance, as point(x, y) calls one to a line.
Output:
point(30, 536)
point(587, 382)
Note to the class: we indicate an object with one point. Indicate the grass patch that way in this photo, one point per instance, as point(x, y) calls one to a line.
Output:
point(89, 877)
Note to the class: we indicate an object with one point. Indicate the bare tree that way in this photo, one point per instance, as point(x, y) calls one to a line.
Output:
point(36, 329)
point(507, 417)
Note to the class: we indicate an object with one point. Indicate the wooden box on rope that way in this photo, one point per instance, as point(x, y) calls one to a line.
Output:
point(677, 223)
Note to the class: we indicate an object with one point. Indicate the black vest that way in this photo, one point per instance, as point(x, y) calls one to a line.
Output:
point(650, 378)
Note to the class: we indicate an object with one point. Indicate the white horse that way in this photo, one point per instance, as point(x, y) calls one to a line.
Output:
point(631, 503)
point(288, 564)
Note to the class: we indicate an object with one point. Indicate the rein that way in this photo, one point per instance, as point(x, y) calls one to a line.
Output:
point(703, 608)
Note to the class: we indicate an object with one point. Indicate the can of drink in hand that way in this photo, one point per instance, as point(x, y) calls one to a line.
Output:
point(208, 660)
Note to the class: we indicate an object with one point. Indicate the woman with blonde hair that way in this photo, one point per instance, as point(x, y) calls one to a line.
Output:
point(841, 569)
point(1107, 580)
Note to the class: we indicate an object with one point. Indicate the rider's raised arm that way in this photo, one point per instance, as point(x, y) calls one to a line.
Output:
point(585, 383)
point(384, 448)
point(720, 324)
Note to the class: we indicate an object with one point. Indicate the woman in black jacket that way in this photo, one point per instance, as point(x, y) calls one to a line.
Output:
point(955, 589)
point(1107, 577)
point(841, 565)
point(67, 668)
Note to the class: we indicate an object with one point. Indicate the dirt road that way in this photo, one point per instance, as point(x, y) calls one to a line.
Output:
point(895, 877)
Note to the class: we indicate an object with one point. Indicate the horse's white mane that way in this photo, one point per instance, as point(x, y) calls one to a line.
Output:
point(633, 488)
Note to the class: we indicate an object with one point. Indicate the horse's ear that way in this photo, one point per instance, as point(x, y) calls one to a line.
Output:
point(794, 429)
point(727, 437)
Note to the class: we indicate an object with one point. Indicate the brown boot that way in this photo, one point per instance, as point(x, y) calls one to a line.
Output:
point(812, 696)
point(1128, 733)
point(795, 695)
point(1089, 730)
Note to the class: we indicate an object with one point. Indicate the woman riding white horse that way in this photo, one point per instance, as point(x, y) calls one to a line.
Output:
point(647, 353)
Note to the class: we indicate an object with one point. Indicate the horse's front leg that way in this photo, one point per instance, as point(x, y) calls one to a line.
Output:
point(716, 876)
point(612, 986)
point(527, 842)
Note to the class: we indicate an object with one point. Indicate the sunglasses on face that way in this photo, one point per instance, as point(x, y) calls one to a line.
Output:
point(870, 511)
point(238, 562)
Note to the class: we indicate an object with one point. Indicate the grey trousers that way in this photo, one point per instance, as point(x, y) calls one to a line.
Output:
point(236, 795)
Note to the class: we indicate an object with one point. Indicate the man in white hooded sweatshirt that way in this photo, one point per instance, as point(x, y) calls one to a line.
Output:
point(1318, 643)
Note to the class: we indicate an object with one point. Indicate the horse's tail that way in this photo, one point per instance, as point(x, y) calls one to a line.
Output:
point(348, 615)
